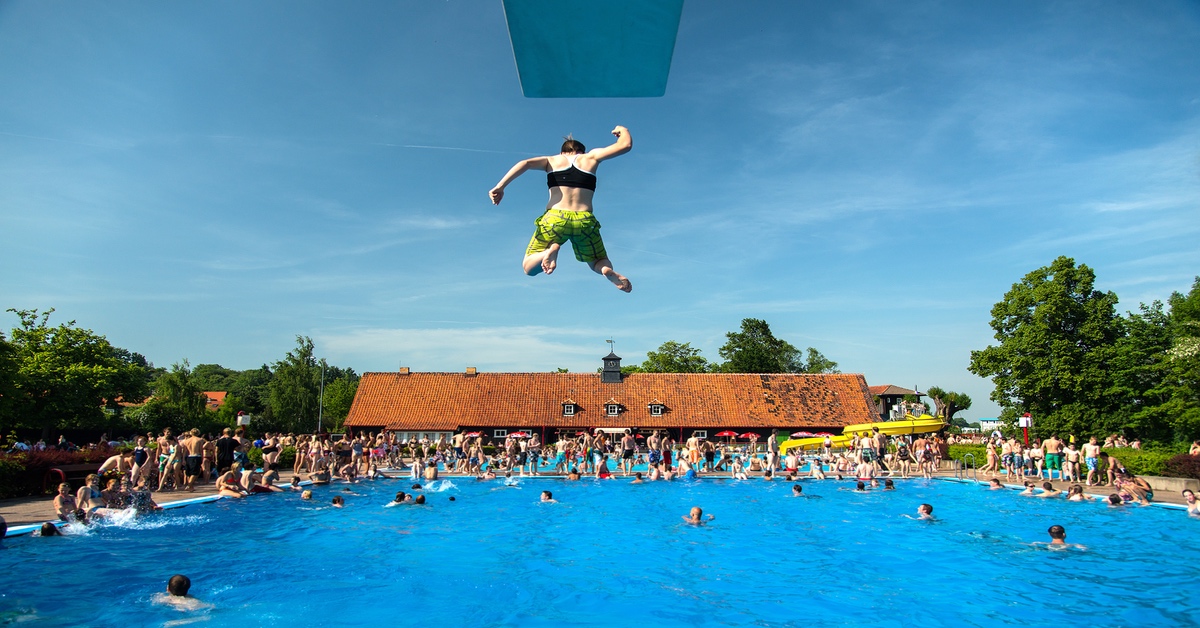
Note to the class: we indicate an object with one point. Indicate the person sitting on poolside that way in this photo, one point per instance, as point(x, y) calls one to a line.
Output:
point(1076, 494)
point(49, 529)
point(66, 507)
point(602, 472)
point(655, 473)
point(738, 470)
point(995, 485)
point(865, 469)
point(547, 496)
point(1048, 490)
point(90, 498)
point(229, 483)
point(815, 470)
point(696, 517)
point(177, 595)
point(112, 494)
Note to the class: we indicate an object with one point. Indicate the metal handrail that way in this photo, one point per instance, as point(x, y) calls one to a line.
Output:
point(974, 471)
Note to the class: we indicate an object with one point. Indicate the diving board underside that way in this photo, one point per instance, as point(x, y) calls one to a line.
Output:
point(593, 48)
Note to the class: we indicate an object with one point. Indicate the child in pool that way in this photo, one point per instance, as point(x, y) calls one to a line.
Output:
point(177, 595)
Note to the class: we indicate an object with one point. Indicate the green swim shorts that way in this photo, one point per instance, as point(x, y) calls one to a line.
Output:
point(1054, 462)
point(557, 226)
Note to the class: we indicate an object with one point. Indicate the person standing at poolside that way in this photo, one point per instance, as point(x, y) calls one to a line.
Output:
point(1052, 449)
point(773, 450)
point(226, 446)
point(571, 177)
point(1091, 456)
point(193, 449)
point(628, 445)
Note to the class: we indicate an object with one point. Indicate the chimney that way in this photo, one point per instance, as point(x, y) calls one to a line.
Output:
point(404, 370)
point(471, 371)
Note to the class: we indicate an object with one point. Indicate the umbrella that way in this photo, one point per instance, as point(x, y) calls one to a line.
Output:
point(750, 435)
point(639, 436)
point(518, 434)
point(823, 434)
point(471, 434)
point(726, 433)
point(802, 434)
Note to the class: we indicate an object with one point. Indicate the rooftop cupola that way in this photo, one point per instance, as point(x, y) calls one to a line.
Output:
point(612, 369)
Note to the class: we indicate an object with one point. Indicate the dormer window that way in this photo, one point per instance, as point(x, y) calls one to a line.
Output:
point(568, 409)
point(656, 409)
point(612, 409)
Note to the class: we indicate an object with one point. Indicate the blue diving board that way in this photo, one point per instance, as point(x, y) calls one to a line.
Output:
point(593, 48)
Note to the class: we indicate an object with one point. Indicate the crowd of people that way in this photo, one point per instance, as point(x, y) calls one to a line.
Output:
point(179, 462)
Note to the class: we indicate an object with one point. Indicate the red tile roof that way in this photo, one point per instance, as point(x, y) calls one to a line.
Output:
point(215, 398)
point(889, 389)
point(446, 401)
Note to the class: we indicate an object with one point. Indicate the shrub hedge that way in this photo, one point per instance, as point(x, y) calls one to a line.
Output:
point(1184, 466)
point(1137, 461)
point(22, 473)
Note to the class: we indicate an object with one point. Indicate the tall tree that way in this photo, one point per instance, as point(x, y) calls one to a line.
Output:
point(675, 357)
point(1057, 334)
point(818, 363)
point(946, 403)
point(9, 388)
point(67, 374)
point(1184, 359)
point(295, 388)
point(755, 349)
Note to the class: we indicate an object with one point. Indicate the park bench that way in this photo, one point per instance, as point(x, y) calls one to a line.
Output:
point(73, 473)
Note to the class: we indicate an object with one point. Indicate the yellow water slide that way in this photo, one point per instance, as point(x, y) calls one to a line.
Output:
point(923, 424)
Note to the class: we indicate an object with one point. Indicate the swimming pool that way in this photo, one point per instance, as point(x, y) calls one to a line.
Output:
point(610, 553)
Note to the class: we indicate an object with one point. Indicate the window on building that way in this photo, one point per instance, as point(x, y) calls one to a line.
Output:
point(499, 433)
point(612, 409)
point(568, 409)
point(656, 409)
point(700, 433)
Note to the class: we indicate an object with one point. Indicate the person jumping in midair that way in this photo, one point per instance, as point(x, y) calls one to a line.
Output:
point(571, 176)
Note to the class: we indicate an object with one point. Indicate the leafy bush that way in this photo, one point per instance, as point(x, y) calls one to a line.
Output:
point(14, 479)
point(1184, 466)
point(287, 457)
point(957, 452)
point(1141, 462)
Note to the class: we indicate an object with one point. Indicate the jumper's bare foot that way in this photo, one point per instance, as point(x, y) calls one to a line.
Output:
point(619, 280)
point(550, 262)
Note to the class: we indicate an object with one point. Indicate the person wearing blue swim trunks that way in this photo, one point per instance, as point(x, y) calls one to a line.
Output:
point(571, 177)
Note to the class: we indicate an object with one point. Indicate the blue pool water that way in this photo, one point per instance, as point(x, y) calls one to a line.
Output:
point(614, 554)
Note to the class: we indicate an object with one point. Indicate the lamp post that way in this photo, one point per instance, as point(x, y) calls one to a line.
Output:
point(321, 401)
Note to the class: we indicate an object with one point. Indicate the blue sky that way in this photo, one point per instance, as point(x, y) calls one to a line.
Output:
point(207, 180)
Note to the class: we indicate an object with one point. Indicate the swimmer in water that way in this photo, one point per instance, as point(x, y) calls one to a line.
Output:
point(1189, 500)
point(1058, 539)
point(696, 517)
point(925, 512)
point(547, 496)
point(995, 485)
point(889, 485)
point(177, 595)
point(1048, 490)
point(338, 501)
point(49, 529)
point(571, 176)
point(797, 491)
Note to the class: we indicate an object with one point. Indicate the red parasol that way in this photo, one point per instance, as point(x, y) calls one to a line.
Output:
point(726, 433)
point(519, 434)
point(750, 435)
point(802, 434)
point(824, 434)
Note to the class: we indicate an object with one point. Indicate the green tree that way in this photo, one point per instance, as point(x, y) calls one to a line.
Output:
point(1183, 407)
point(755, 349)
point(214, 377)
point(947, 404)
point(674, 357)
point(9, 389)
point(66, 374)
point(1057, 335)
point(294, 390)
point(818, 363)
point(339, 395)
point(1141, 368)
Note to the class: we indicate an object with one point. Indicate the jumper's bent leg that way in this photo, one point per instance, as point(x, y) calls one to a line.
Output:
point(542, 261)
point(604, 267)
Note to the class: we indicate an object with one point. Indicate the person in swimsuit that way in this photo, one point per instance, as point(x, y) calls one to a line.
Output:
point(193, 447)
point(696, 517)
point(66, 506)
point(1091, 456)
point(1189, 500)
point(628, 444)
point(571, 177)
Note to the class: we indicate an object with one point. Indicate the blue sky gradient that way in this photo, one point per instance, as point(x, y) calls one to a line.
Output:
point(206, 180)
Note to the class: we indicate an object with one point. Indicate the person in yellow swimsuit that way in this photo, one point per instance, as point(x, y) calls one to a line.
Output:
point(571, 177)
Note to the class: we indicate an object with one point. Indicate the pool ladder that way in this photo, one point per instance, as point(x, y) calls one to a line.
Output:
point(960, 468)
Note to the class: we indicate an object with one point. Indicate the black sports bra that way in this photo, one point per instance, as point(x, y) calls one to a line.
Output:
point(571, 177)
